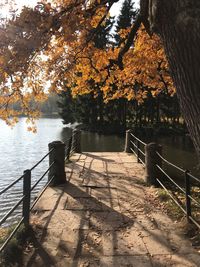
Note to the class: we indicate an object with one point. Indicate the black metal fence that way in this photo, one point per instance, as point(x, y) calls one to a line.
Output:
point(27, 189)
point(190, 182)
point(138, 148)
point(72, 144)
point(167, 182)
point(25, 200)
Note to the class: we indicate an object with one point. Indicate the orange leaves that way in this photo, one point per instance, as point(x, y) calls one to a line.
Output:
point(147, 64)
point(145, 69)
point(100, 13)
point(55, 49)
point(123, 33)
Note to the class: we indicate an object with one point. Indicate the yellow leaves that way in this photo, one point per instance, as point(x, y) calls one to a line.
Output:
point(100, 12)
point(145, 66)
point(68, 60)
point(124, 32)
point(32, 129)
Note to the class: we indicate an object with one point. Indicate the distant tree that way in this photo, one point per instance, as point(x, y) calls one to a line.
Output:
point(125, 19)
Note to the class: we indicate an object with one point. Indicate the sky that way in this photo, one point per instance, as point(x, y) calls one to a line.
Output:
point(117, 6)
point(4, 8)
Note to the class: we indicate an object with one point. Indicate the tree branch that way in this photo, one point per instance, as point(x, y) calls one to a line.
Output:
point(129, 41)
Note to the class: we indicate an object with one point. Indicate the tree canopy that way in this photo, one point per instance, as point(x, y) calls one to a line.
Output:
point(52, 45)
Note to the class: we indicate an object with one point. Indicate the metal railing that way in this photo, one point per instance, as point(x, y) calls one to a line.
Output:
point(25, 200)
point(27, 189)
point(70, 148)
point(190, 182)
point(138, 148)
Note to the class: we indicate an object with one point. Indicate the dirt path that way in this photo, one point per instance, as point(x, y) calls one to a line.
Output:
point(102, 217)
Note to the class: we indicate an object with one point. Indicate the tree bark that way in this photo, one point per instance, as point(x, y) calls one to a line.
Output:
point(178, 24)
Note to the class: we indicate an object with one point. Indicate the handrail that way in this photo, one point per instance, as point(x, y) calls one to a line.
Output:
point(133, 144)
point(138, 139)
point(40, 179)
point(11, 211)
point(143, 163)
point(27, 189)
point(195, 222)
point(171, 196)
point(135, 147)
point(72, 152)
point(170, 163)
point(42, 159)
point(181, 189)
point(15, 182)
point(133, 151)
point(193, 199)
point(141, 151)
point(186, 192)
point(41, 193)
point(68, 148)
point(193, 177)
point(11, 185)
point(11, 235)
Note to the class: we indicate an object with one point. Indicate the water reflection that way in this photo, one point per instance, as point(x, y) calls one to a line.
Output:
point(181, 152)
point(21, 149)
point(93, 142)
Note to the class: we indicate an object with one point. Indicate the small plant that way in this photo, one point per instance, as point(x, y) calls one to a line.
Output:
point(170, 206)
point(12, 254)
point(162, 195)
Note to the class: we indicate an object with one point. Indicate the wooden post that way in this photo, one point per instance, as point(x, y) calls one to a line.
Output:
point(128, 142)
point(27, 198)
point(151, 160)
point(76, 141)
point(58, 157)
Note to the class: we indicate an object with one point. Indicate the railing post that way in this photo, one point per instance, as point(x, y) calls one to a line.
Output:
point(151, 160)
point(128, 142)
point(57, 156)
point(187, 194)
point(138, 151)
point(27, 198)
point(69, 148)
point(76, 141)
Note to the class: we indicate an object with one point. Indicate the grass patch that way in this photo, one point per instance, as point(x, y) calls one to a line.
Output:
point(190, 230)
point(12, 254)
point(162, 195)
point(170, 206)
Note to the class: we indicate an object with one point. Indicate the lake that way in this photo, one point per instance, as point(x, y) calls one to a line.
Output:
point(21, 149)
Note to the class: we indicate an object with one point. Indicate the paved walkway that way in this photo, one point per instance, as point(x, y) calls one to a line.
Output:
point(102, 217)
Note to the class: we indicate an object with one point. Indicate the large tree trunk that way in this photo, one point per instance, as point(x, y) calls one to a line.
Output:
point(178, 24)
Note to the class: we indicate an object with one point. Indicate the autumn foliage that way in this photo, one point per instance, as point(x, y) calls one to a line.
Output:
point(51, 47)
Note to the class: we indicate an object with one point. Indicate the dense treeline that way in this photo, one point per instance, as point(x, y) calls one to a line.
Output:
point(47, 108)
point(119, 114)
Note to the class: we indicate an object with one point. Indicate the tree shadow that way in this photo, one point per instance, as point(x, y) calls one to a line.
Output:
point(102, 224)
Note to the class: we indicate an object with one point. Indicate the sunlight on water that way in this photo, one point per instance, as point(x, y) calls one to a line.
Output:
point(21, 149)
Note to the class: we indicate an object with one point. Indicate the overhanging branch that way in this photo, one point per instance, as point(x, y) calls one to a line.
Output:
point(129, 41)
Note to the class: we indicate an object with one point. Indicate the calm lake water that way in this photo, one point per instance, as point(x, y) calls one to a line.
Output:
point(21, 149)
